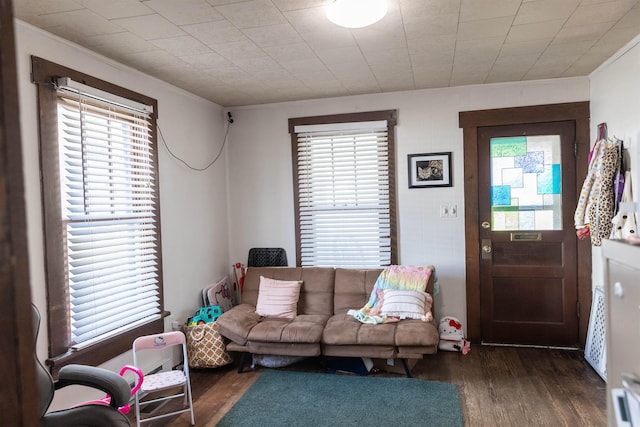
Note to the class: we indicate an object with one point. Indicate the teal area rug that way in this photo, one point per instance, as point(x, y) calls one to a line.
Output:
point(285, 398)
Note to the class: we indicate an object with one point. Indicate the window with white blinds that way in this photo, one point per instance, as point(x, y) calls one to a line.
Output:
point(109, 216)
point(345, 201)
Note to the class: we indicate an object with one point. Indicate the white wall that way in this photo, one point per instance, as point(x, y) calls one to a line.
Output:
point(615, 99)
point(261, 182)
point(192, 204)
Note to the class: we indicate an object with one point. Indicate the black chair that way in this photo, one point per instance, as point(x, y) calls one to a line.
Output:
point(267, 257)
point(94, 415)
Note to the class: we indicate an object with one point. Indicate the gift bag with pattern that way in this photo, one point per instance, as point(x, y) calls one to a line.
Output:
point(206, 348)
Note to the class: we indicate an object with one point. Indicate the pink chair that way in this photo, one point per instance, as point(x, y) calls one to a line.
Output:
point(162, 381)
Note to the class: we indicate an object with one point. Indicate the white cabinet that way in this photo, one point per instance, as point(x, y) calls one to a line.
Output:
point(622, 296)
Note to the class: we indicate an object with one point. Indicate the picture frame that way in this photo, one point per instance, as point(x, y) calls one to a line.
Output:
point(430, 170)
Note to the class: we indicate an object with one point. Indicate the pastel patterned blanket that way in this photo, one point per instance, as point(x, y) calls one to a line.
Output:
point(398, 277)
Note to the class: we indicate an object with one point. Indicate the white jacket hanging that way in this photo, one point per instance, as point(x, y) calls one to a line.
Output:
point(624, 223)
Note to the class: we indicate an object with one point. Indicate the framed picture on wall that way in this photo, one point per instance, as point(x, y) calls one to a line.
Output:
point(430, 170)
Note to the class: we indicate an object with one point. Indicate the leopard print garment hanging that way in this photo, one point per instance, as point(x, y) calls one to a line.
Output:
point(602, 211)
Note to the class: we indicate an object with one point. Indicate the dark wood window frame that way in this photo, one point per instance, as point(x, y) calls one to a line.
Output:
point(391, 116)
point(44, 73)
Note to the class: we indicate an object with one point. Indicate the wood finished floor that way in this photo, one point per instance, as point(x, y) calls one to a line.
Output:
point(498, 386)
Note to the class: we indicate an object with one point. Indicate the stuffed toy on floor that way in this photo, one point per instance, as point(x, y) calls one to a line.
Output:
point(452, 336)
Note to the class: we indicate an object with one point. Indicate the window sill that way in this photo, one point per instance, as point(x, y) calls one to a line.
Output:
point(105, 350)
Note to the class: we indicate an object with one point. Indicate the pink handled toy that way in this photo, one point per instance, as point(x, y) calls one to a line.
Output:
point(107, 399)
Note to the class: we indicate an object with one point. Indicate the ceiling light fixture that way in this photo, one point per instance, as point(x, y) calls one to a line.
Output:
point(356, 13)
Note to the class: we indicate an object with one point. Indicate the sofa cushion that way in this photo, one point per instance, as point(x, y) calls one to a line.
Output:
point(353, 288)
point(305, 328)
point(412, 333)
point(236, 323)
point(316, 293)
point(343, 329)
point(278, 298)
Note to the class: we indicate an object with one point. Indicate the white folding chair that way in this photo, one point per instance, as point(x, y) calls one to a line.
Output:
point(155, 386)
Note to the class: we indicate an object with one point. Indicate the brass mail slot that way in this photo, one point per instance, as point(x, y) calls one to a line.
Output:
point(526, 237)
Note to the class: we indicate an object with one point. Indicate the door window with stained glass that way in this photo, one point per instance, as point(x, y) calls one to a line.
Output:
point(526, 183)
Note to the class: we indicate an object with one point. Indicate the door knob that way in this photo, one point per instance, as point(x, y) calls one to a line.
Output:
point(485, 224)
point(486, 249)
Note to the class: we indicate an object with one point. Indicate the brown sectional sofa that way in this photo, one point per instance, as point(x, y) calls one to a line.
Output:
point(322, 326)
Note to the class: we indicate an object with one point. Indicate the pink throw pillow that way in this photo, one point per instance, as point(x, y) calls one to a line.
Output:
point(278, 298)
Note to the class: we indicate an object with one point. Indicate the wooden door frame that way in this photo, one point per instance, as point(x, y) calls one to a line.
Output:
point(470, 121)
point(20, 401)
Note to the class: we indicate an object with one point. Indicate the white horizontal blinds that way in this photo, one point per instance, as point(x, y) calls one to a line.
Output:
point(343, 196)
point(108, 188)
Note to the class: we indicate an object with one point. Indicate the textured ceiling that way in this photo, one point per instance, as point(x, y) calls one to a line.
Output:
point(239, 52)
